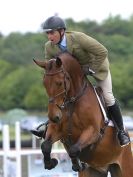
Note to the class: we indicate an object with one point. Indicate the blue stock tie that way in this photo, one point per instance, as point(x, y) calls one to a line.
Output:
point(63, 48)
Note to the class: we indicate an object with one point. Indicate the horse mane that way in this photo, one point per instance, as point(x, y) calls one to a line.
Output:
point(71, 64)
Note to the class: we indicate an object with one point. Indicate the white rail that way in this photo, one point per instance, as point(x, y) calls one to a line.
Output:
point(17, 152)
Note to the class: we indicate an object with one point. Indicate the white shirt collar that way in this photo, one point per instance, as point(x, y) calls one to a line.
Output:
point(64, 42)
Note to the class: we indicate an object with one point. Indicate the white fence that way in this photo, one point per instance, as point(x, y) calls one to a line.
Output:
point(7, 153)
point(12, 158)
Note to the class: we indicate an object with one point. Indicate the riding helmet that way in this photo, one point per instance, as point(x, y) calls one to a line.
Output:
point(53, 23)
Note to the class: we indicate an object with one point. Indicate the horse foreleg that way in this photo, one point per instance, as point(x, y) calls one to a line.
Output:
point(77, 165)
point(88, 137)
point(46, 148)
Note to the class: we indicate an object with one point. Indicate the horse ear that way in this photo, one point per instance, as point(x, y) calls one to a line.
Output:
point(58, 62)
point(42, 64)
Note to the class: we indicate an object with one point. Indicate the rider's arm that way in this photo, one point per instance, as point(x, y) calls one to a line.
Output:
point(95, 48)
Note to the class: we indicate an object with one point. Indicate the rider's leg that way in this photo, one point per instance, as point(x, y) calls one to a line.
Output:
point(113, 109)
point(115, 112)
point(40, 131)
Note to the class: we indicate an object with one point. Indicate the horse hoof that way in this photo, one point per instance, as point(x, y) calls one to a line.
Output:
point(50, 164)
point(84, 166)
point(79, 167)
point(76, 168)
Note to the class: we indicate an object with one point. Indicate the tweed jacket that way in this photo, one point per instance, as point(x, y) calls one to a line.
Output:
point(87, 51)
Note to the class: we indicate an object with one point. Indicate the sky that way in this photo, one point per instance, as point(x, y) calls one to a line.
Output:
point(28, 15)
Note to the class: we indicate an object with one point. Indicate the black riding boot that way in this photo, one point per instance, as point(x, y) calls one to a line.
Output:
point(115, 113)
point(40, 131)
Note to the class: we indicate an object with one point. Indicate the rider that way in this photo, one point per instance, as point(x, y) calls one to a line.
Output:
point(91, 55)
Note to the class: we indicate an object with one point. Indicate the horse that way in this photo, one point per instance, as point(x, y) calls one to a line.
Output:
point(77, 120)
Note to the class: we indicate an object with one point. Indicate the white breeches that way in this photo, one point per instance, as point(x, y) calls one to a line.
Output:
point(106, 86)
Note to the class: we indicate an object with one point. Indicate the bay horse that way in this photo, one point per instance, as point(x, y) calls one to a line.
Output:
point(76, 119)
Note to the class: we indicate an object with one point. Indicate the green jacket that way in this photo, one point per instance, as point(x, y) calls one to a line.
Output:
point(87, 50)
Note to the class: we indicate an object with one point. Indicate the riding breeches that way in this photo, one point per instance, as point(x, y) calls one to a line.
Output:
point(106, 86)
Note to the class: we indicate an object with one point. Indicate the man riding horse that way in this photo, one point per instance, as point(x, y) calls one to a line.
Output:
point(92, 56)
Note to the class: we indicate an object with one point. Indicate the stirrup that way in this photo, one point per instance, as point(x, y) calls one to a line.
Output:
point(40, 131)
point(38, 134)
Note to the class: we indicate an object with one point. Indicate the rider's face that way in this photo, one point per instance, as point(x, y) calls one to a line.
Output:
point(54, 36)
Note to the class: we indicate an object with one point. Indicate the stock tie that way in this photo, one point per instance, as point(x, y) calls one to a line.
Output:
point(63, 48)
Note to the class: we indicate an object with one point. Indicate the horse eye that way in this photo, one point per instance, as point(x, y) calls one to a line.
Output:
point(59, 84)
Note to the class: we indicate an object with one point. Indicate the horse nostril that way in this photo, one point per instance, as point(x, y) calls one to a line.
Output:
point(57, 119)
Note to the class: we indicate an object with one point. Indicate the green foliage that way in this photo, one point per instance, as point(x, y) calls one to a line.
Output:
point(36, 98)
point(5, 68)
point(116, 25)
point(16, 85)
point(21, 49)
point(123, 82)
point(119, 47)
point(21, 81)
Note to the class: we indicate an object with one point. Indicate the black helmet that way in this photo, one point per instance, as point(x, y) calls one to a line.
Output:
point(53, 23)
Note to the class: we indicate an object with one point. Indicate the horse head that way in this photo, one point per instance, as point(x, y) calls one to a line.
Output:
point(62, 79)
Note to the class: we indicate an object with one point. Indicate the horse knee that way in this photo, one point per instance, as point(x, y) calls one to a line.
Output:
point(46, 146)
point(74, 151)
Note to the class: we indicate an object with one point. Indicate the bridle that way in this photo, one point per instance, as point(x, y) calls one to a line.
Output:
point(69, 104)
point(66, 87)
point(67, 100)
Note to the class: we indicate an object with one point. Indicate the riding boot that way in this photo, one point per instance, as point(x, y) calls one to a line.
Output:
point(40, 131)
point(115, 113)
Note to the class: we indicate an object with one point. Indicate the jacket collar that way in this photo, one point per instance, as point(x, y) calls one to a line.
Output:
point(69, 42)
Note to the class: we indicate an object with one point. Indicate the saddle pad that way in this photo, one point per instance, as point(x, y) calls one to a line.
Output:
point(111, 124)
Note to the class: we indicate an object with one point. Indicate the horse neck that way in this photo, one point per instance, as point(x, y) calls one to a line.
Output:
point(77, 82)
point(73, 68)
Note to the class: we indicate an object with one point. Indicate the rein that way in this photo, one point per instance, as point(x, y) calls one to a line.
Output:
point(68, 103)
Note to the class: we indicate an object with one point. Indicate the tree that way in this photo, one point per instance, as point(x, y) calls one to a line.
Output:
point(15, 86)
point(21, 49)
point(5, 68)
point(21, 82)
point(123, 82)
point(36, 98)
